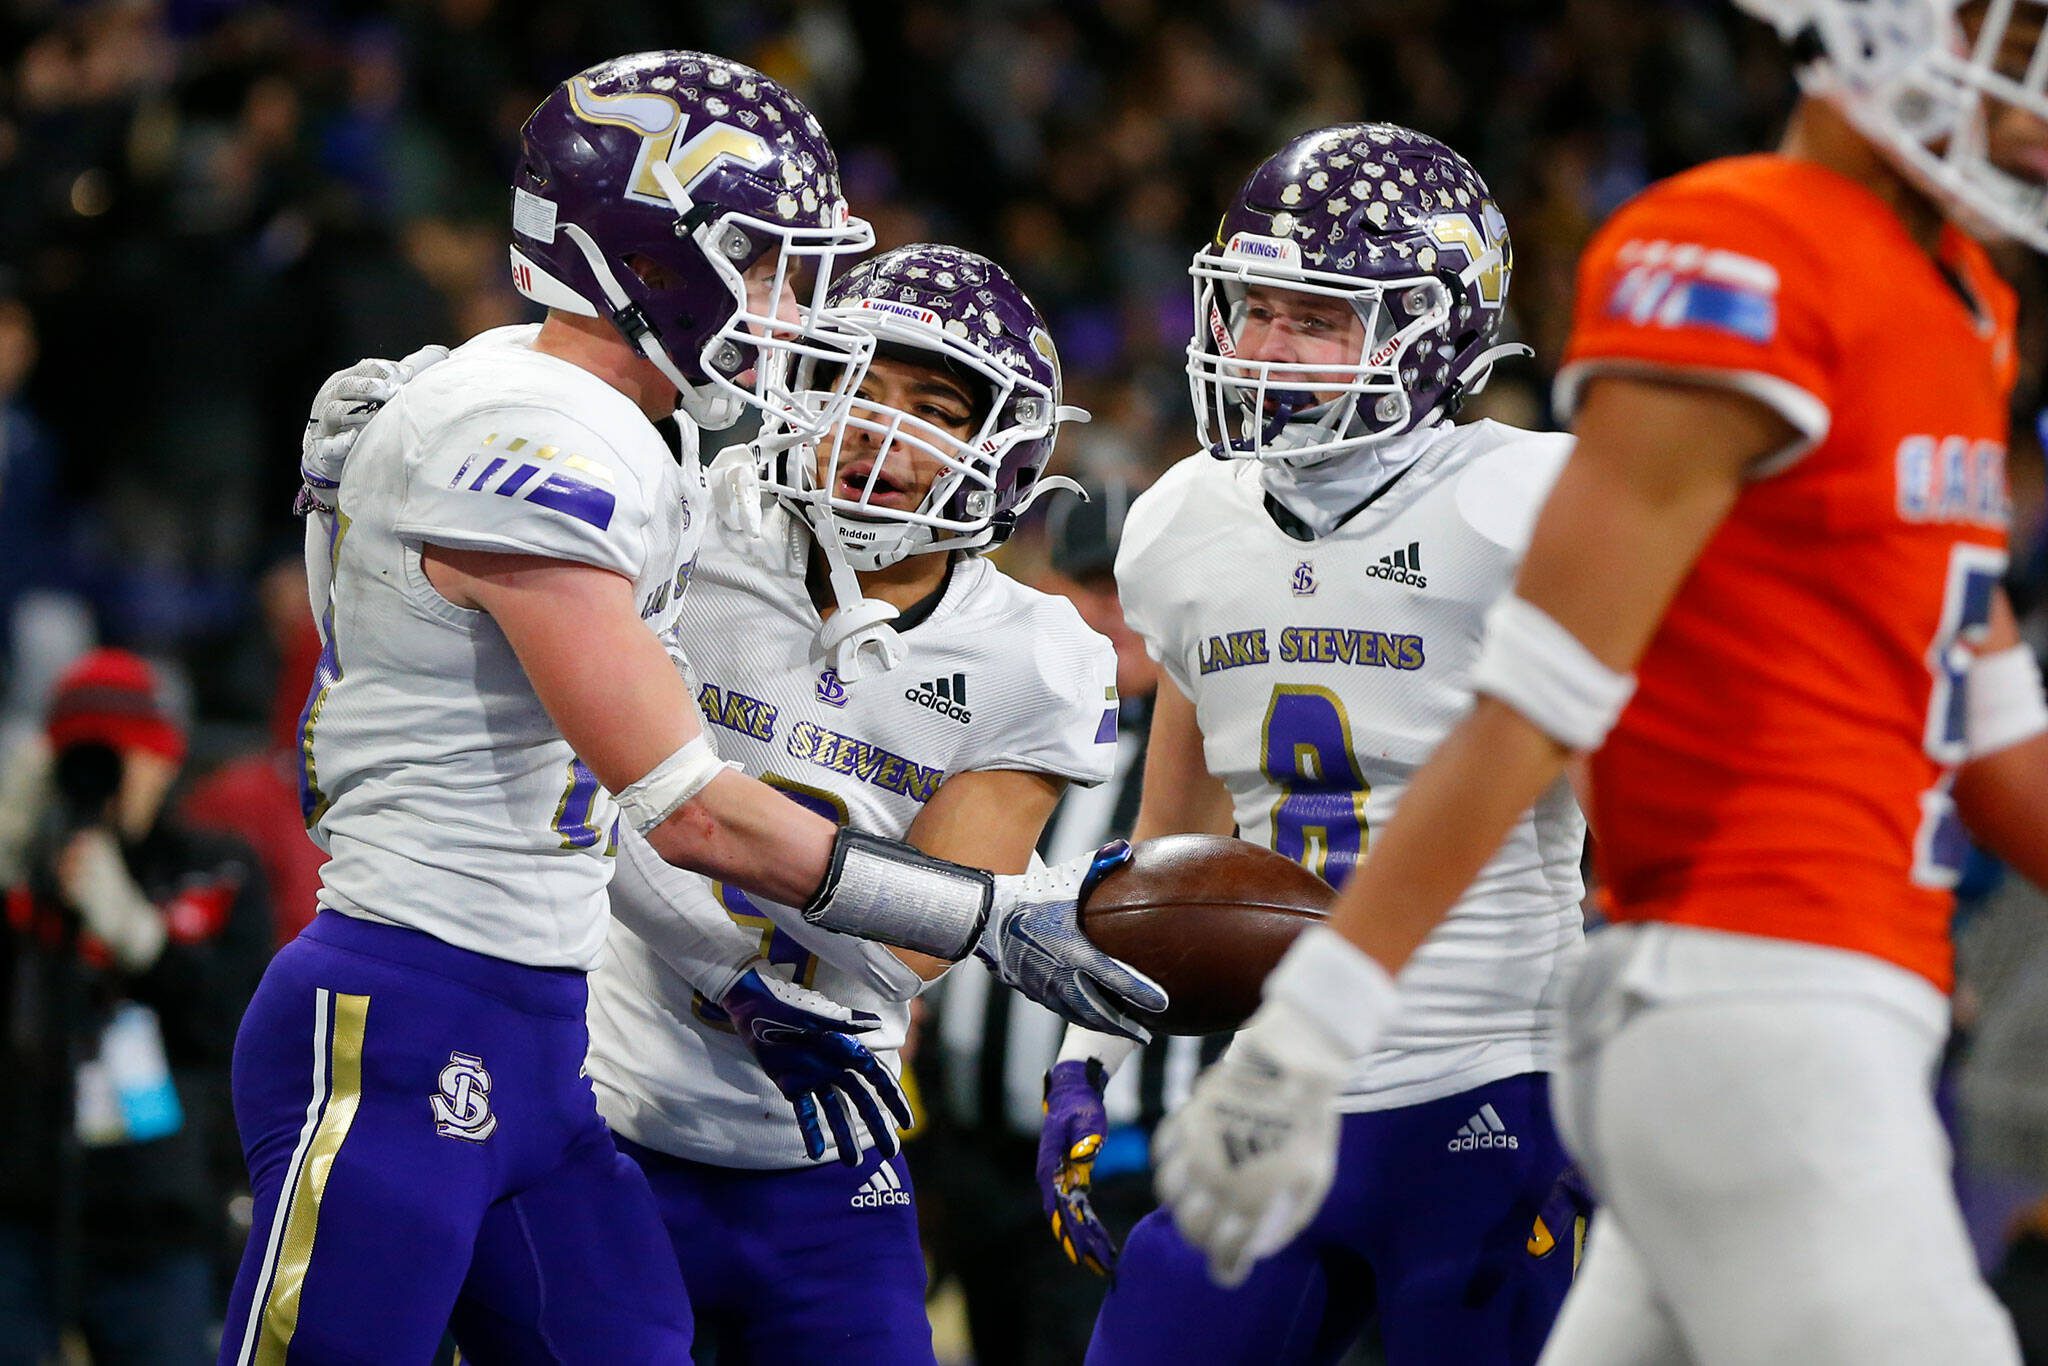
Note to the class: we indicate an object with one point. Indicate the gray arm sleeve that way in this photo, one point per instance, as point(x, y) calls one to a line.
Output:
point(889, 892)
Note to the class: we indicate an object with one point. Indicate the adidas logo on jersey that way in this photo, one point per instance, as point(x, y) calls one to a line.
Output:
point(1483, 1130)
point(1403, 566)
point(880, 1189)
point(946, 696)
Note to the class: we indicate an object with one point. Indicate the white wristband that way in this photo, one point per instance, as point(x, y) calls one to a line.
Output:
point(670, 783)
point(1542, 670)
point(1339, 986)
point(2005, 702)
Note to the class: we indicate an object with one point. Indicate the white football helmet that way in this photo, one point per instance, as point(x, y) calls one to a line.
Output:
point(1918, 84)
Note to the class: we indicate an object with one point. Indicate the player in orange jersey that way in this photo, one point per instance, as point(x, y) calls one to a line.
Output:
point(1768, 581)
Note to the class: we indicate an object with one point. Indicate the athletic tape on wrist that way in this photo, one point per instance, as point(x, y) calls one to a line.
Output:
point(1088, 1045)
point(670, 783)
point(1541, 670)
point(1339, 986)
point(2005, 701)
point(887, 891)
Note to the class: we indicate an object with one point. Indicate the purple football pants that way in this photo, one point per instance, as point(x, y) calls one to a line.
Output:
point(1431, 1224)
point(427, 1157)
point(806, 1264)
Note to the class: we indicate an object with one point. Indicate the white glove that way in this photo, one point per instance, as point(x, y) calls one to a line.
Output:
point(94, 879)
point(345, 403)
point(1245, 1164)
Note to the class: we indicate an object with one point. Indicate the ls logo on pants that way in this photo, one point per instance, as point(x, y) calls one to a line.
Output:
point(463, 1109)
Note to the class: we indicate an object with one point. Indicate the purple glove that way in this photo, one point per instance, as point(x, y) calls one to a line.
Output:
point(1564, 1216)
point(1075, 1125)
point(804, 1042)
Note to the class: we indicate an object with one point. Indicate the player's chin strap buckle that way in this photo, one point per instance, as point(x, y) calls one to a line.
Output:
point(858, 633)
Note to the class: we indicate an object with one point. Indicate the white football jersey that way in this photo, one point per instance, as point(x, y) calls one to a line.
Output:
point(1324, 672)
point(448, 799)
point(999, 676)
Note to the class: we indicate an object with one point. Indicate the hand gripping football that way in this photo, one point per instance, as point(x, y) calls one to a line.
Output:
point(1207, 917)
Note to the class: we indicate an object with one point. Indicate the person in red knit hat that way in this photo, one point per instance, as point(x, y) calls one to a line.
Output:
point(129, 945)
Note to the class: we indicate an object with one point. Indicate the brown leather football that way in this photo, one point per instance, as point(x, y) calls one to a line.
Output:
point(1207, 917)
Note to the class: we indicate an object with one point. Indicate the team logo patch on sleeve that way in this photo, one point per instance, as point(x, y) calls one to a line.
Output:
point(1684, 284)
point(580, 494)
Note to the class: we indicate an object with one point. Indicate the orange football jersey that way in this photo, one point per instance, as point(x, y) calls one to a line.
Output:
point(1784, 767)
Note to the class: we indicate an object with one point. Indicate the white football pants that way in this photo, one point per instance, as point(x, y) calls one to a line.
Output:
point(1757, 1119)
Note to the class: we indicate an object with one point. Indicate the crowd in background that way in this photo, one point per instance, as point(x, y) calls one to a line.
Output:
point(206, 205)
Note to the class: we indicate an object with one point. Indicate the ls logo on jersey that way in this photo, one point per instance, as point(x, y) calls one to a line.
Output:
point(463, 1108)
point(1304, 579)
point(1683, 284)
point(830, 690)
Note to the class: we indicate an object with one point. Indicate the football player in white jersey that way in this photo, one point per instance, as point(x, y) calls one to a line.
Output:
point(424, 1150)
point(1313, 584)
point(999, 696)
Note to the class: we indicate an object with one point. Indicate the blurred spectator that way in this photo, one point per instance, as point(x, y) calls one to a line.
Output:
point(255, 796)
point(41, 559)
point(128, 949)
point(250, 195)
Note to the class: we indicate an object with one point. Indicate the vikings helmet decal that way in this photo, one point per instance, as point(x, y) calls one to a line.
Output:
point(649, 185)
point(945, 308)
point(1391, 222)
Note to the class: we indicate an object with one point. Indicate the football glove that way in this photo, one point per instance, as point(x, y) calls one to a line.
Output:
point(1563, 1219)
point(804, 1042)
point(1246, 1163)
point(1033, 941)
point(1075, 1126)
point(347, 401)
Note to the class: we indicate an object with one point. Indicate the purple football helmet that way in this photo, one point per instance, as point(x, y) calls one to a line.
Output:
point(1391, 222)
point(950, 309)
point(652, 190)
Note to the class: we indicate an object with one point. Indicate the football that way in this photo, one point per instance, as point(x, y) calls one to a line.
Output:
point(1207, 917)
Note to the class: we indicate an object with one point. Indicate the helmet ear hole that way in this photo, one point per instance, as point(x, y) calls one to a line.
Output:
point(651, 272)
